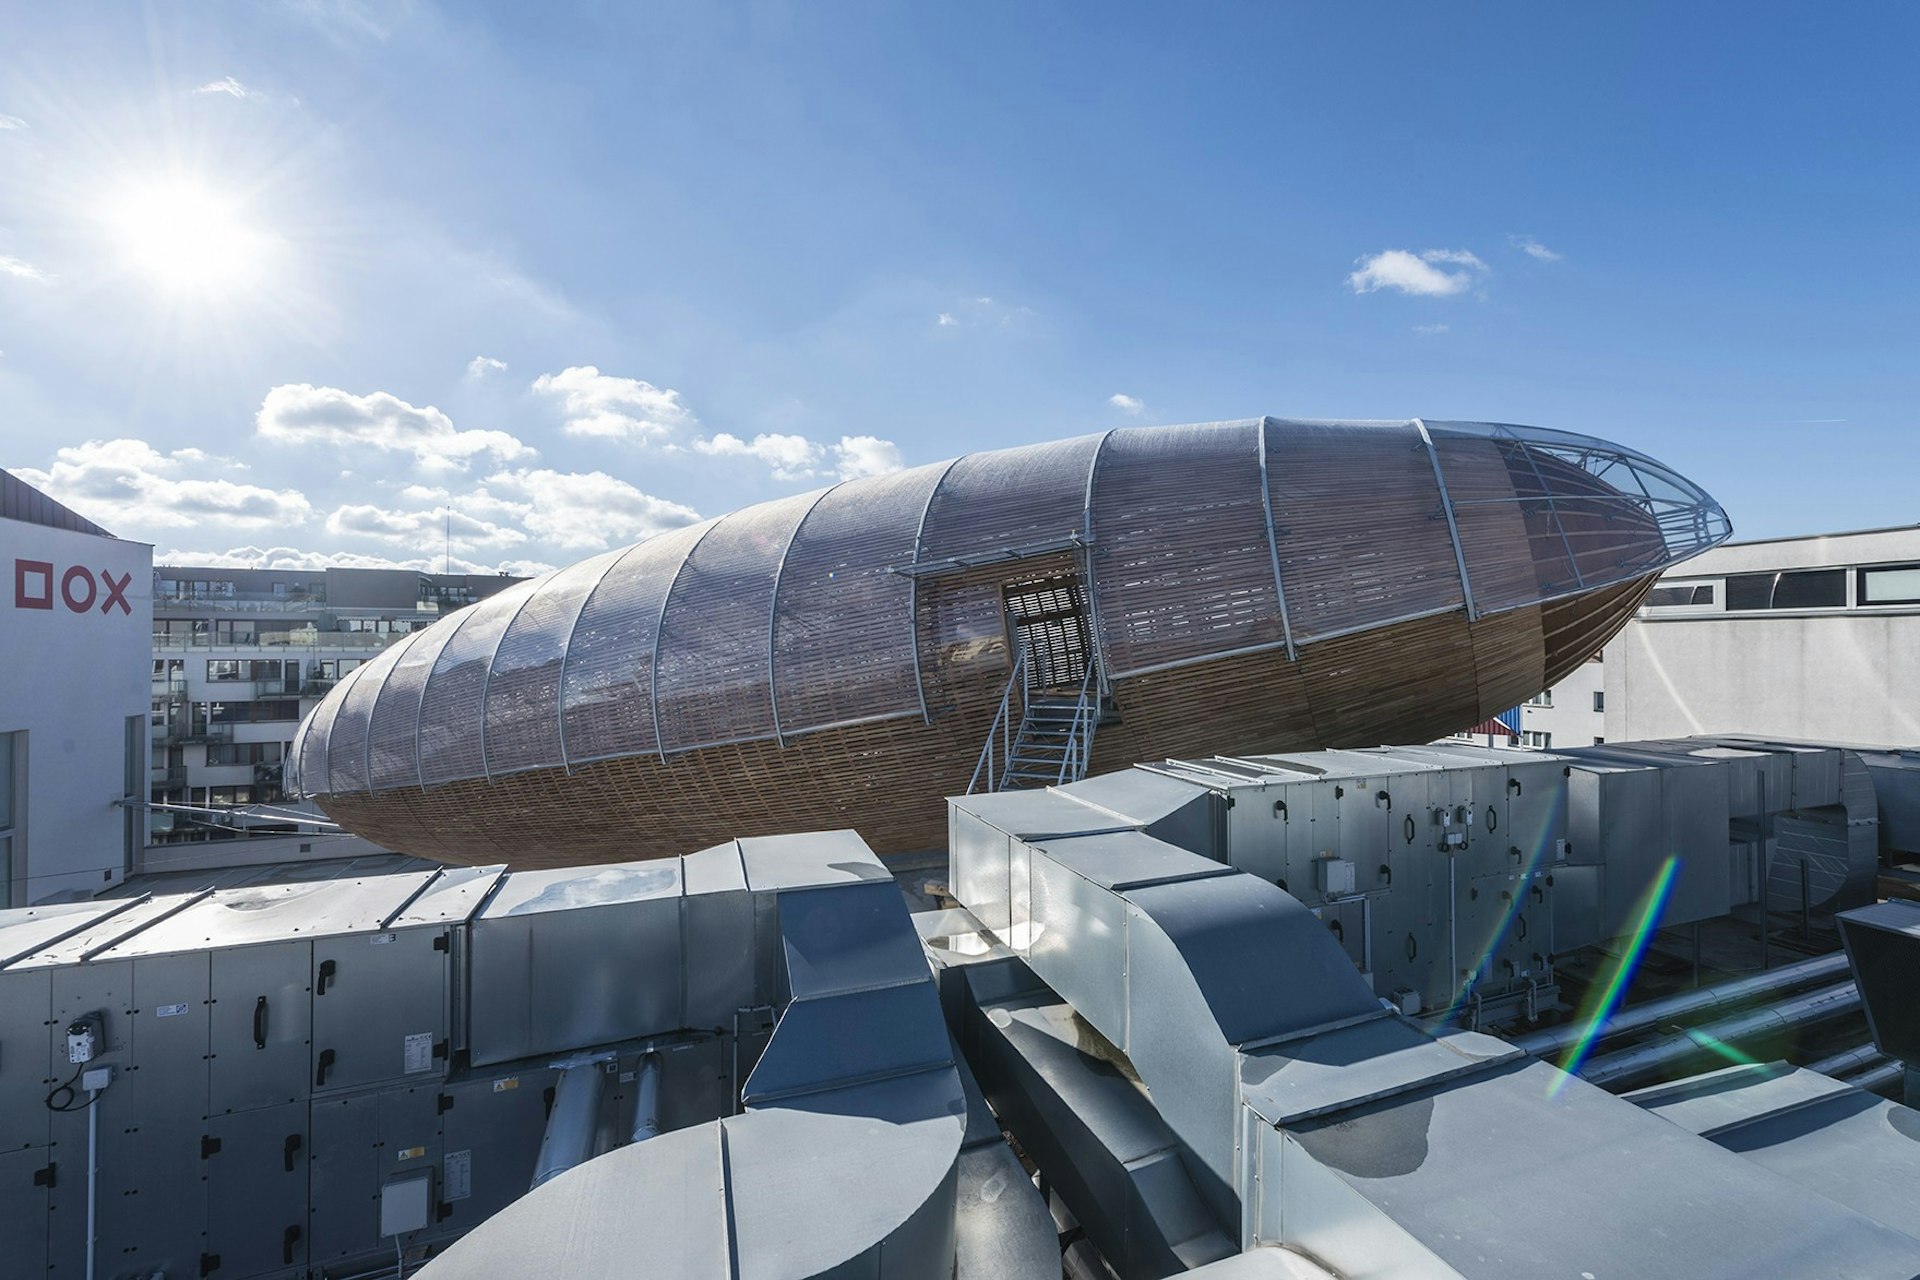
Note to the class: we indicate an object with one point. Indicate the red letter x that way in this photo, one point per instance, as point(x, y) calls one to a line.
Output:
point(116, 592)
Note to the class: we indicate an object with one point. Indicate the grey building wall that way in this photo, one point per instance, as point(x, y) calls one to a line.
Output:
point(1846, 674)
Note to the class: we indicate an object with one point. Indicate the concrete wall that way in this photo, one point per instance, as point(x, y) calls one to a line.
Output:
point(1832, 677)
point(73, 669)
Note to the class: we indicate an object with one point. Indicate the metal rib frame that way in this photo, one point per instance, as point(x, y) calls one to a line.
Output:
point(913, 593)
point(773, 613)
point(1273, 539)
point(1453, 529)
point(566, 649)
point(660, 625)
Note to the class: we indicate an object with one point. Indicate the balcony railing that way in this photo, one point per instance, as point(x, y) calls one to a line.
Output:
point(304, 639)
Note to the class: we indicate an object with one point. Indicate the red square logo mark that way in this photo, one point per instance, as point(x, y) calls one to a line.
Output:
point(32, 584)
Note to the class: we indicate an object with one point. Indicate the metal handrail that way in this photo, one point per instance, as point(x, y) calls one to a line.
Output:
point(1002, 727)
point(1086, 718)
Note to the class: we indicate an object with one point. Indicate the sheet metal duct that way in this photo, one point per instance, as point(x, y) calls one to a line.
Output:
point(1629, 1067)
point(1350, 1132)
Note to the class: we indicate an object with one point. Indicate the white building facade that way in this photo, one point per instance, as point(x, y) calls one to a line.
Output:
point(1812, 638)
point(74, 609)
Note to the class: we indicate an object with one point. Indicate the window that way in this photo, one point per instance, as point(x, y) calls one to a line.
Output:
point(1599, 700)
point(334, 668)
point(236, 631)
point(1894, 585)
point(1599, 742)
point(1542, 699)
point(232, 753)
point(11, 763)
point(1697, 593)
point(1799, 589)
point(253, 712)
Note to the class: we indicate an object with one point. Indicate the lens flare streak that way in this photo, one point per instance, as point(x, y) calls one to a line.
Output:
point(1653, 904)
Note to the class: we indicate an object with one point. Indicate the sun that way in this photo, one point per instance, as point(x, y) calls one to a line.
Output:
point(187, 239)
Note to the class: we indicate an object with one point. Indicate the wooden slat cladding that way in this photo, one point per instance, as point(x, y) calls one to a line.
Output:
point(1408, 682)
point(1358, 524)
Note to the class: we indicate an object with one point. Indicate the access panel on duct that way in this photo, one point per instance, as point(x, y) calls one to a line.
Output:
point(256, 1179)
point(260, 1027)
point(379, 1007)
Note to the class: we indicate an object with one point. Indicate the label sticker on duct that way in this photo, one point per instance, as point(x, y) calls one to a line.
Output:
point(419, 1052)
point(410, 1153)
point(501, 1086)
point(381, 939)
point(169, 1010)
point(456, 1178)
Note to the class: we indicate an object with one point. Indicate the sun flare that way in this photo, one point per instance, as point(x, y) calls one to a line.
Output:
point(188, 239)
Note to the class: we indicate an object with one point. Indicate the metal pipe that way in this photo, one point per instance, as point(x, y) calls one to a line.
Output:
point(93, 1175)
point(1855, 1059)
point(1715, 999)
point(1630, 1067)
point(573, 1121)
point(646, 1099)
point(1874, 1079)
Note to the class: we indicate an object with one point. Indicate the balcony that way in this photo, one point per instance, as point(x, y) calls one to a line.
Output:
point(183, 733)
point(317, 686)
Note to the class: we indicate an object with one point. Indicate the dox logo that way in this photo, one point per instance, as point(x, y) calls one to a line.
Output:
point(80, 589)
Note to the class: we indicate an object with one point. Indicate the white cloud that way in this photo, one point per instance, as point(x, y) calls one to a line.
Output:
point(481, 366)
point(232, 88)
point(293, 558)
point(1127, 404)
point(602, 405)
point(790, 457)
point(945, 320)
point(1430, 328)
point(1534, 249)
point(1420, 273)
point(20, 269)
point(299, 413)
point(574, 509)
point(421, 528)
point(132, 485)
point(866, 456)
point(12, 122)
point(798, 458)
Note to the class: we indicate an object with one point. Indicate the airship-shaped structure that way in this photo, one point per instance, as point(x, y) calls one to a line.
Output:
point(849, 657)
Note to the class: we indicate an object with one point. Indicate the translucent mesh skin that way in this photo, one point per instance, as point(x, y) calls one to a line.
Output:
point(394, 727)
point(1011, 499)
point(451, 742)
point(523, 693)
point(347, 739)
point(1341, 573)
point(291, 772)
point(313, 745)
point(711, 682)
point(843, 635)
point(606, 686)
point(1584, 513)
point(1182, 566)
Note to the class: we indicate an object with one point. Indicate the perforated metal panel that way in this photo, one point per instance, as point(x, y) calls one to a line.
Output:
point(1182, 565)
point(712, 681)
point(347, 739)
point(606, 685)
point(393, 729)
point(450, 708)
point(523, 694)
point(1342, 573)
point(1010, 500)
point(843, 638)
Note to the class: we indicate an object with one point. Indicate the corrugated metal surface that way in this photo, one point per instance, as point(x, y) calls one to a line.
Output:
point(1182, 565)
point(1340, 572)
point(606, 685)
point(21, 501)
point(713, 682)
point(843, 638)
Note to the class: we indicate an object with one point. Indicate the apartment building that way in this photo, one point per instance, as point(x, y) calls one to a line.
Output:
point(241, 655)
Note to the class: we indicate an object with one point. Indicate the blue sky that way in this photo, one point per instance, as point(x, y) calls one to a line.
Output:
point(279, 281)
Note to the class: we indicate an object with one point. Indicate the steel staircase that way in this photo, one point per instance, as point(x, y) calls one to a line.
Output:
point(1039, 738)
